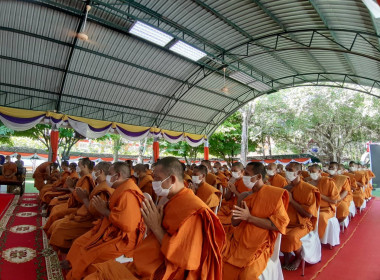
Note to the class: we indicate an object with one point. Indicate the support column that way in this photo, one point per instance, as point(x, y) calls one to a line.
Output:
point(206, 151)
point(54, 137)
point(156, 149)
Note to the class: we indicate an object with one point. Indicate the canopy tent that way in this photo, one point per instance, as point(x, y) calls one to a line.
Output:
point(284, 160)
point(124, 80)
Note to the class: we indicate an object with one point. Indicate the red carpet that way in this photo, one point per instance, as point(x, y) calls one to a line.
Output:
point(357, 255)
point(24, 250)
point(5, 200)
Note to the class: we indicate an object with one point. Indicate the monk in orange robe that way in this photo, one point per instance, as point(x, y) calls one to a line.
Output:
point(357, 186)
point(370, 176)
point(280, 170)
point(61, 193)
point(234, 189)
point(211, 178)
point(261, 214)
point(9, 170)
point(344, 189)
point(54, 173)
point(220, 174)
point(366, 179)
point(41, 174)
point(227, 173)
point(189, 170)
point(64, 231)
point(304, 201)
point(117, 233)
point(329, 197)
point(185, 239)
point(275, 179)
point(144, 181)
point(207, 193)
point(74, 202)
point(61, 180)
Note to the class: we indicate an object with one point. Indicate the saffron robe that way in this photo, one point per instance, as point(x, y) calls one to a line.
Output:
point(40, 174)
point(8, 169)
point(112, 236)
point(343, 184)
point(277, 181)
point(191, 248)
point(64, 231)
point(248, 248)
point(327, 187)
point(209, 195)
point(309, 198)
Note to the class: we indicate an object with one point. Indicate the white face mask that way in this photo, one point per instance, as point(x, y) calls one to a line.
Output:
point(78, 169)
point(291, 176)
point(196, 179)
point(331, 172)
point(136, 175)
point(223, 169)
point(270, 172)
point(340, 172)
point(314, 176)
point(235, 174)
point(93, 175)
point(157, 187)
point(215, 170)
point(247, 182)
point(108, 180)
point(353, 168)
point(279, 171)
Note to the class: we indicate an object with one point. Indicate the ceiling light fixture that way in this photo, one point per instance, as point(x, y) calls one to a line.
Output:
point(150, 34)
point(187, 51)
point(373, 7)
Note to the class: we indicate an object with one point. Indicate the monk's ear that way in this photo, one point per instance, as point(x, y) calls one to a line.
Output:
point(173, 179)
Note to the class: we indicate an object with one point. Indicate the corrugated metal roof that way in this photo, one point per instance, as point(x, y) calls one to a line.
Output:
point(119, 77)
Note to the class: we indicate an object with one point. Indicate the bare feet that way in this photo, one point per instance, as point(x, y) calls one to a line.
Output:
point(294, 265)
point(65, 265)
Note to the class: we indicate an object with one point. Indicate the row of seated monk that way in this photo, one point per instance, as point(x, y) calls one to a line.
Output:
point(118, 221)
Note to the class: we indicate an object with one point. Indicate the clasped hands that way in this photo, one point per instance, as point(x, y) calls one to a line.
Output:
point(152, 215)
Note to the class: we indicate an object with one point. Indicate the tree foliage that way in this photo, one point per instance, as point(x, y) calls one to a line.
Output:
point(182, 149)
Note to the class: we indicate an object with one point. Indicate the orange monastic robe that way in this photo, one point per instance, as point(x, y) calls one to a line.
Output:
point(40, 174)
point(64, 231)
point(309, 197)
point(357, 192)
point(249, 247)
point(51, 197)
point(209, 195)
point(57, 184)
point(370, 176)
point(225, 212)
point(212, 179)
point(223, 179)
point(227, 174)
point(343, 184)
point(8, 169)
point(186, 180)
point(145, 185)
point(112, 236)
point(54, 176)
point(191, 248)
point(277, 181)
point(72, 204)
point(327, 187)
point(305, 174)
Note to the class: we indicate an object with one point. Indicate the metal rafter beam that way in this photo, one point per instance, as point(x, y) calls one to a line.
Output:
point(106, 56)
point(101, 103)
point(104, 80)
point(69, 59)
point(326, 23)
point(283, 27)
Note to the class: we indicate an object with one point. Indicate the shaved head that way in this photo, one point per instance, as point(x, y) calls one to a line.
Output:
point(272, 166)
point(171, 166)
point(140, 168)
point(238, 165)
point(122, 168)
point(255, 168)
point(201, 169)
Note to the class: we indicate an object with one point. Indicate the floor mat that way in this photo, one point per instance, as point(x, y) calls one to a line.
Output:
point(25, 253)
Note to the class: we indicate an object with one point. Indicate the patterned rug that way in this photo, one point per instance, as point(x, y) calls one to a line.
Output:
point(25, 252)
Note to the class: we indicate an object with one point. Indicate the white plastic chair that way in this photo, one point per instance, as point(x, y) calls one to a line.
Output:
point(273, 271)
point(311, 247)
point(352, 209)
point(332, 231)
point(363, 206)
point(345, 223)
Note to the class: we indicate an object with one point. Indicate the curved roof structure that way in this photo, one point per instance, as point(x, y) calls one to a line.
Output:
point(264, 45)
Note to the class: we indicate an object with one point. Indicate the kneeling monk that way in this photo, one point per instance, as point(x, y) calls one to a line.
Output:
point(261, 215)
point(185, 236)
point(117, 233)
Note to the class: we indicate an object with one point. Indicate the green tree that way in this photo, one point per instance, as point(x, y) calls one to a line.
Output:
point(182, 149)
